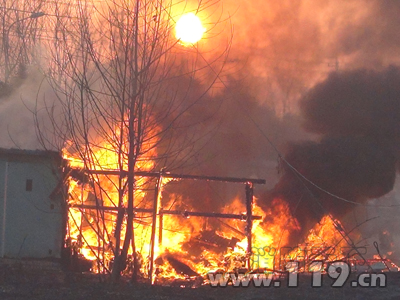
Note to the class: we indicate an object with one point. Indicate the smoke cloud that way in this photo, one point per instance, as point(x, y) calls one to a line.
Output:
point(357, 157)
point(17, 121)
point(287, 47)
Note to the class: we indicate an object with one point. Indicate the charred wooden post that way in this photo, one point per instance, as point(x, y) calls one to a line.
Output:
point(155, 211)
point(249, 203)
point(160, 226)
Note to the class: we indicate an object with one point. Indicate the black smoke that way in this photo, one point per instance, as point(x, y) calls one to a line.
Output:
point(356, 157)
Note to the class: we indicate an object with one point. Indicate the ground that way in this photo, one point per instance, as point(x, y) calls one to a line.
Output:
point(79, 286)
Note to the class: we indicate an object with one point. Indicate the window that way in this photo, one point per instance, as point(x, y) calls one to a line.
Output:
point(28, 186)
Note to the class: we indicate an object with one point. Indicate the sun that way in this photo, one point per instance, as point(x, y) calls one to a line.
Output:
point(189, 29)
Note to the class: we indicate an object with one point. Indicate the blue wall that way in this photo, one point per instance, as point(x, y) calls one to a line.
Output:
point(33, 221)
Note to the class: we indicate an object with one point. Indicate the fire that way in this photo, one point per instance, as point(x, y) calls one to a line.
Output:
point(93, 199)
point(273, 234)
point(189, 29)
point(325, 242)
point(184, 246)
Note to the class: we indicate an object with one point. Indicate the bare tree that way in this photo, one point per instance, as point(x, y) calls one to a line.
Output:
point(123, 81)
point(20, 30)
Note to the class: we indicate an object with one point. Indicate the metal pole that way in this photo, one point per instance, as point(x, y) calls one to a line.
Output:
point(249, 202)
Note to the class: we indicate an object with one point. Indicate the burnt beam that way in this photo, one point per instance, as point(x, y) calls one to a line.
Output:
point(187, 214)
point(183, 213)
point(177, 176)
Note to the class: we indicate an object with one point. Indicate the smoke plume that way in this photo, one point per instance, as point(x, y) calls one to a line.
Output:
point(356, 114)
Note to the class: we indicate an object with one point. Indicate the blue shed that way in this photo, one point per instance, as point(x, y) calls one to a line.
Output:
point(32, 205)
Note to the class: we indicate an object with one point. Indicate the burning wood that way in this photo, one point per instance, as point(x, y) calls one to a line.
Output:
point(186, 247)
point(211, 241)
point(179, 266)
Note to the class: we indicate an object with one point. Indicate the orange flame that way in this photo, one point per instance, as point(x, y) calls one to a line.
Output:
point(182, 241)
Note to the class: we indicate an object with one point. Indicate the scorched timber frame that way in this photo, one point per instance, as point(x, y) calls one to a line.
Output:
point(157, 211)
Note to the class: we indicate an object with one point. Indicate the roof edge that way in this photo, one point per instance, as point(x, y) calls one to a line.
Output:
point(25, 152)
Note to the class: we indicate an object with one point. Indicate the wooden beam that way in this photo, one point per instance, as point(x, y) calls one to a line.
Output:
point(182, 213)
point(188, 214)
point(177, 176)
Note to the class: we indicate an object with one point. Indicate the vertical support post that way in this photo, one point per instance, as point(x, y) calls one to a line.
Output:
point(249, 203)
point(154, 224)
point(160, 227)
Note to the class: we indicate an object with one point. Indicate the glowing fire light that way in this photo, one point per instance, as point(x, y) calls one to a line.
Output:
point(196, 243)
point(189, 29)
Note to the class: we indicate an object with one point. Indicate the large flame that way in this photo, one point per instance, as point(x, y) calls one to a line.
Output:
point(183, 246)
point(94, 200)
